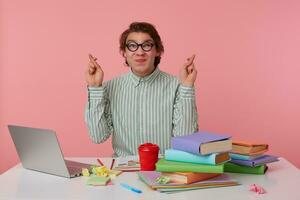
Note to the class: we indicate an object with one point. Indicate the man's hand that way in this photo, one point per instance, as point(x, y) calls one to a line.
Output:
point(94, 74)
point(188, 73)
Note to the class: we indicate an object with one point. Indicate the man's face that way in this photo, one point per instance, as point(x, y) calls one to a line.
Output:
point(140, 53)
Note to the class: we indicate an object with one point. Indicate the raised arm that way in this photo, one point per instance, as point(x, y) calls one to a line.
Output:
point(97, 112)
point(185, 116)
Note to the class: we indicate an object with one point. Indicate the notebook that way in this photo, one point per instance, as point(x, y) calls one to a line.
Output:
point(39, 150)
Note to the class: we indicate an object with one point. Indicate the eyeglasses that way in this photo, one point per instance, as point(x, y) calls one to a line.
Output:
point(133, 46)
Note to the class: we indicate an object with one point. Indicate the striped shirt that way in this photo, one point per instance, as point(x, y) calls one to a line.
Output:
point(135, 110)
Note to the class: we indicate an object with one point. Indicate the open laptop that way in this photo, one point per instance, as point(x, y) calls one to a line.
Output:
point(39, 150)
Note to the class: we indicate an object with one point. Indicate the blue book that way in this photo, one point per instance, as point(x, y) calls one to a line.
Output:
point(210, 159)
point(256, 162)
point(202, 143)
point(244, 157)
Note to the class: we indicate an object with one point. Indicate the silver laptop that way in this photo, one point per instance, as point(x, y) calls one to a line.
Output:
point(39, 150)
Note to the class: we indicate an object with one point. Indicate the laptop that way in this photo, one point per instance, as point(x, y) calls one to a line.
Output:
point(39, 150)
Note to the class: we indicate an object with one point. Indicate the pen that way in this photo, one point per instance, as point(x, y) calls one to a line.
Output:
point(130, 188)
point(112, 163)
point(100, 162)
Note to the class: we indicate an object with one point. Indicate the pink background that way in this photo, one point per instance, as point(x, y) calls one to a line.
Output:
point(247, 60)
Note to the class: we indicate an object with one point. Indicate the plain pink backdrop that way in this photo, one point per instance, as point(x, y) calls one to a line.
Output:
point(247, 56)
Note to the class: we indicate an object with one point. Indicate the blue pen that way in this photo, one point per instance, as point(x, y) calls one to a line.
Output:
point(130, 188)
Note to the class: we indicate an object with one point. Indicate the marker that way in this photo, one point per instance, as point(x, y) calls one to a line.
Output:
point(112, 163)
point(100, 162)
point(130, 188)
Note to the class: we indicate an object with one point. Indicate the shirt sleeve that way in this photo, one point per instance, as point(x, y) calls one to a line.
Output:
point(98, 114)
point(185, 116)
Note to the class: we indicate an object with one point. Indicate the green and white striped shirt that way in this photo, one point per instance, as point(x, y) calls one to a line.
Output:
point(135, 110)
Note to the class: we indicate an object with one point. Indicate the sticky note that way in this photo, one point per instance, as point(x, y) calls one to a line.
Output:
point(98, 181)
point(85, 172)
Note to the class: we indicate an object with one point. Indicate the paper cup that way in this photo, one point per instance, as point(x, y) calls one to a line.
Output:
point(148, 154)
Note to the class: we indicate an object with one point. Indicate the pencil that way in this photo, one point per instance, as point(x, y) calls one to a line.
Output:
point(100, 162)
point(112, 163)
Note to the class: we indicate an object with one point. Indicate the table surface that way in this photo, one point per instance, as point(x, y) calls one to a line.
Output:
point(282, 180)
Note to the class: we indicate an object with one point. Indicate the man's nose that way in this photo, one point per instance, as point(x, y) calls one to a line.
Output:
point(140, 51)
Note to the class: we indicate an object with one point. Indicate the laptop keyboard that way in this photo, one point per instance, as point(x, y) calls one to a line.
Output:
point(75, 168)
point(74, 171)
point(77, 164)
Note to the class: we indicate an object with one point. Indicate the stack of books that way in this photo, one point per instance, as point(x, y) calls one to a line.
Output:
point(249, 158)
point(151, 177)
point(195, 161)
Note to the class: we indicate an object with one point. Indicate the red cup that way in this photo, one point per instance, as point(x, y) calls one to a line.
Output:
point(148, 154)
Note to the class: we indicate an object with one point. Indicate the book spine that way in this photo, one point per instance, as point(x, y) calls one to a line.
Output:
point(189, 167)
point(256, 162)
point(239, 156)
point(234, 168)
point(182, 156)
point(248, 163)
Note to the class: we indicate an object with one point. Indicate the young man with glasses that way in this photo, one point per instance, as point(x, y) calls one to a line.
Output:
point(144, 105)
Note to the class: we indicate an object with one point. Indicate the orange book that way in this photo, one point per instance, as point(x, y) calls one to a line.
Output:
point(247, 148)
point(188, 177)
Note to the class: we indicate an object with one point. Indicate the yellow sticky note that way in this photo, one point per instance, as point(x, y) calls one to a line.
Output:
point(100, 171)
point(85, 172)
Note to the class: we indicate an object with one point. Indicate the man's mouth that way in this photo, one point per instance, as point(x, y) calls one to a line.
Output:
point(140, 60)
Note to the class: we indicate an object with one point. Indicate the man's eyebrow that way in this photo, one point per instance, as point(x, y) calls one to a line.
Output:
point(149, 40)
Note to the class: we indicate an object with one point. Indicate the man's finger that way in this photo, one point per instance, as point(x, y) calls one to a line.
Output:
point(93, 60)
point(190, 61)
point(91, 71)
point(91, 57)
point(190, 69)
point(92, 68)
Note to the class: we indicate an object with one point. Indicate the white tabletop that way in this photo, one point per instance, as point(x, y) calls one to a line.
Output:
point(282, 181)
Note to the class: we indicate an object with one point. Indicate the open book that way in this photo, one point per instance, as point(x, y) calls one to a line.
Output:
point(126, 164)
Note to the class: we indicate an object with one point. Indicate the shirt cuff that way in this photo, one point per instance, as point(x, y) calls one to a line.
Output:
point(96, 92)
point(186, 91)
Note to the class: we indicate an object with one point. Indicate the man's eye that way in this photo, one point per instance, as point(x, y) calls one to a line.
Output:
point(147, 45)
point(132, 45)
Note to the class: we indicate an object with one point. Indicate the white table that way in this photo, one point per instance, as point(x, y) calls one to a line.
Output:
point(282, 181)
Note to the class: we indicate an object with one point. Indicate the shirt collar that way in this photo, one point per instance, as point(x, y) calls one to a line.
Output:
point(136, 80)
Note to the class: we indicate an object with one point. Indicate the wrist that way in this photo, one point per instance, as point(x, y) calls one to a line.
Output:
point(94, 85)
point(187, 84)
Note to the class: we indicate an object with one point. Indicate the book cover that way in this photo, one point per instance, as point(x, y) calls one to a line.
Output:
point(234, 168)
point(256, 162)
point(210, 159)
point(246, 148)
point(172, 166)
point(195, 142)
point(188, 177)
point(150, 177)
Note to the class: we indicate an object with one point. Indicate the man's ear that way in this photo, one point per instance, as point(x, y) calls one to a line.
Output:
point(123, 54)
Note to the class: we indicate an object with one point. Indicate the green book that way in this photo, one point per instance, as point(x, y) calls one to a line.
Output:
point(234, 168)
point(172, 166)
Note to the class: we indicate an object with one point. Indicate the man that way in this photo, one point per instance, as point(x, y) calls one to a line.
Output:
point(144, 105)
